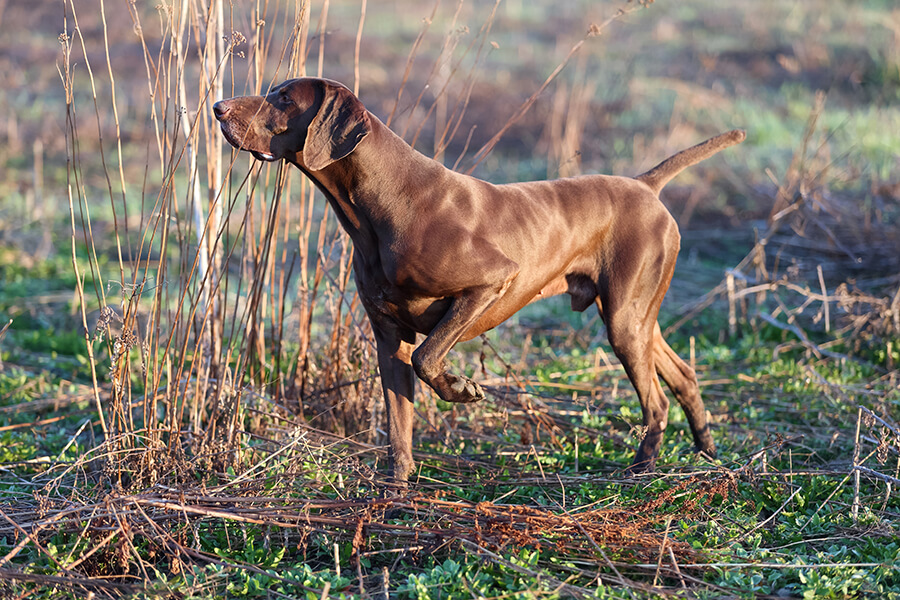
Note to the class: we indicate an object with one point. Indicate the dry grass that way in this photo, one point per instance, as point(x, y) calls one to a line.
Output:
point(814, 235)
point(167, 518)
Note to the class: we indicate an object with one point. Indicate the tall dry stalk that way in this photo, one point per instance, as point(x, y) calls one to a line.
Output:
point(191, 362)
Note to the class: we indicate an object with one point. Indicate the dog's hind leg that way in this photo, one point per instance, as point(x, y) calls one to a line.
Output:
point(632, 342)
point(682, 380)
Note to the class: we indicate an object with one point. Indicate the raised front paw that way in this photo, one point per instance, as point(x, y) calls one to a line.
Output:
point(460, 389)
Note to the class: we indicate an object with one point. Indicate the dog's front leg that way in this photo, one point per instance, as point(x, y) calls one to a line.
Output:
point(395, 347)
point(463, 314)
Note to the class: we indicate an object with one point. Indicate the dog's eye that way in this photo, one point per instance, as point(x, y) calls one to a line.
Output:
point(284, 97)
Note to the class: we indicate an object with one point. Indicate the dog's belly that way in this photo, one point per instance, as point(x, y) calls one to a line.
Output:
point(422, 313)
point(580, 287)
point(414, 308)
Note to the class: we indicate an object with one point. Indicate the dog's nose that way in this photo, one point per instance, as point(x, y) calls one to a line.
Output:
point(220, 109)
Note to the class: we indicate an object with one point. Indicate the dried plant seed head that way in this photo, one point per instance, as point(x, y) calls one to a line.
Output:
point(237, 38)
point(868, 419)
point(639, 432)
point(884, 447)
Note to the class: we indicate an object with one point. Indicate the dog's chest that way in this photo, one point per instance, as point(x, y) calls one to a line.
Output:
point(385, 299)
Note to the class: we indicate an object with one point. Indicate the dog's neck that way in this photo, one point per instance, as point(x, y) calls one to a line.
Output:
point(363, 198)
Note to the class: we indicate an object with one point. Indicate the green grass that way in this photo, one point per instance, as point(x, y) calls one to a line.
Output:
point(792, 516)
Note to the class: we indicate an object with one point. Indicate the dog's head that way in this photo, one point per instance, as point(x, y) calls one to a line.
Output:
point(312, 122)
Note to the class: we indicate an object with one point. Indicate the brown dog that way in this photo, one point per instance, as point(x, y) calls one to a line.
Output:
point(450, 256)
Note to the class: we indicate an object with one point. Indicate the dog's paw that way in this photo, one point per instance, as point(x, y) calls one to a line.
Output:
point(463, 390)
point(642, 465)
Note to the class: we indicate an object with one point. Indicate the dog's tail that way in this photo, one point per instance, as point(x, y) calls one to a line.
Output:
point(657, 177)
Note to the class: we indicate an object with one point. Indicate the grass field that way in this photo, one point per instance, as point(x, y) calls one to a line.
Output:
point(189, 401)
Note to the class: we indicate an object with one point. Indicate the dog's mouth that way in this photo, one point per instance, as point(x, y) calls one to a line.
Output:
point(263, 156)
point(233, 139)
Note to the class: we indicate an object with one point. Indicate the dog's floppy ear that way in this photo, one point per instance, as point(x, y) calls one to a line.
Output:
point(341, 123)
